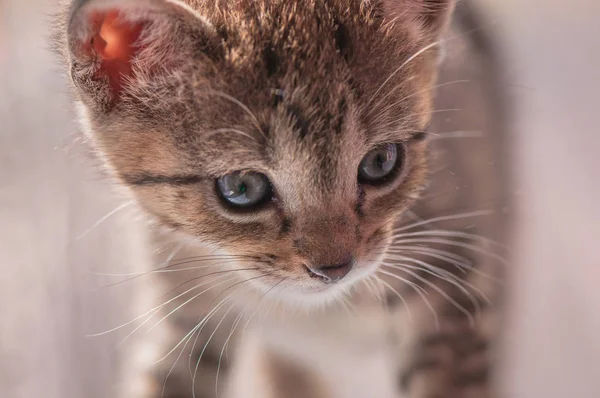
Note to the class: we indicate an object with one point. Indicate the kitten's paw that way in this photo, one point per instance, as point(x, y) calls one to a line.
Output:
point(448, 365)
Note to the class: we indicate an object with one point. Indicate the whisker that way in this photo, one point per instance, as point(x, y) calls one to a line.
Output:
point(395, 72)
point(408, 117)
point(184, 303)
point(233, 328)
point(458, 244)
point(390, 106)
point(463, 261)
point(116, 347)
point(404, 303)
point(204, 348)
point(373, 287)
point(148, 312)
point(103, 219)
point(230, 130)
point(154, 313)
point(261, 301)
point(456, 134)
point(443, 255)
point(191, 333)
point(212, 335)
point(415, 217)
point(459, 216)
point(199, 326)
point(442, 293)
point(215, 299)
point(445, 276)
point(417, 54)
point(449, 233)
point(241, 105)
point(449, 257)
point(426, 301)
point(419, 291)
point(160, 270)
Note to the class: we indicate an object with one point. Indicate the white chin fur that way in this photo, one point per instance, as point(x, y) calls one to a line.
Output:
point(313, 293)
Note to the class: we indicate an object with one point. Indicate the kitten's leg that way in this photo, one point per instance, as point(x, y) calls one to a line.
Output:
point(262, 372)
point(449, 364)
point(452, 362)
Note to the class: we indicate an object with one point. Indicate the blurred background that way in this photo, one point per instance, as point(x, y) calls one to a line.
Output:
point(51, 201)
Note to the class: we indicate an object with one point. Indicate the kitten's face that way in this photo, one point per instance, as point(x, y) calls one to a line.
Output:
point(289, 133)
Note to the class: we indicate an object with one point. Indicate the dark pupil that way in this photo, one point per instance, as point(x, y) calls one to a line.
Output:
point(378, 163)
point(242, 187)
point(380, 160)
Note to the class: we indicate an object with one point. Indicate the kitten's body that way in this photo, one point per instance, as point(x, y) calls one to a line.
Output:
point(374, 343)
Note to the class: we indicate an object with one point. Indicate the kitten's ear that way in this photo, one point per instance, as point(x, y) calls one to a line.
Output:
point(114, 44)
point(429, 16)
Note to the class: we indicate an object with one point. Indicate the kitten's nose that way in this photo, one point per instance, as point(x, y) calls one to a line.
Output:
point(332, 273)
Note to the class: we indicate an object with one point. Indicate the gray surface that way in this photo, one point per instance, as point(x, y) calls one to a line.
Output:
point(48, 197)
point(553, 60)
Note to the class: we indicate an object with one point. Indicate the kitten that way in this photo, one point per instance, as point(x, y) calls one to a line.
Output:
point(283, 144)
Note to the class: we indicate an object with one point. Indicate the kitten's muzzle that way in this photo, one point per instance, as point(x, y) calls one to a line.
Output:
point(332, 273)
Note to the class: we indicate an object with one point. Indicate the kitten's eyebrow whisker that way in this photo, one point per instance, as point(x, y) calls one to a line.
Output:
point(230, 130)
point(241, 105)
point(390, 106)
point(408, 117)
point(417, 54)
point(412, 57)
point(457, 134)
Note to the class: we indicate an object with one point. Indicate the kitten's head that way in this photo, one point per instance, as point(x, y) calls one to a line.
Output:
point(286, 132)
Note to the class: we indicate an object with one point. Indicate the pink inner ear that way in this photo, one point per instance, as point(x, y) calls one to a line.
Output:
point(114, 42)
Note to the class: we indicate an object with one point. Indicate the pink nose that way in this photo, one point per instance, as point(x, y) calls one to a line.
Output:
point(332, 273)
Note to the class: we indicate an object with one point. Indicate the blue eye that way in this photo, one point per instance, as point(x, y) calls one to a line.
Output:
point(379, 164)
point(244, 189)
